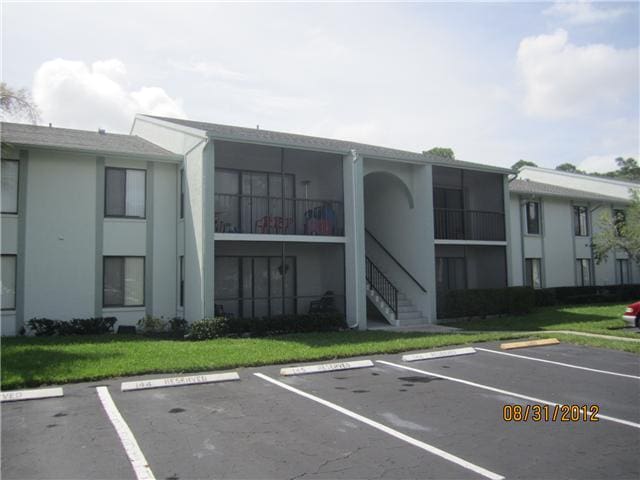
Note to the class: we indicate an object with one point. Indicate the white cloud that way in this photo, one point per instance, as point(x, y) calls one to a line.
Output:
point(563, 80)
point(603, 163)
point(74, 94)
point(584, 12)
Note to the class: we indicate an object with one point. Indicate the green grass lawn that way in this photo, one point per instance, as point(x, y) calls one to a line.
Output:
point(35, 361)
point(601, 319)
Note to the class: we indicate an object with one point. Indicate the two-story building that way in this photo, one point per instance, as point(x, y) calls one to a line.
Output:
point(191, 219)
point(553, 217)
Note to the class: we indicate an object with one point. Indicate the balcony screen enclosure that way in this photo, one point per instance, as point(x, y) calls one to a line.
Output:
point(269, 190)
point(270, 279)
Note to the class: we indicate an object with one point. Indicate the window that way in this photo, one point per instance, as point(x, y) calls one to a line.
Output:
point(451, 273)
point(533, 218)
point(8, 286)
point(619, 219)
point(10, 186)
point(182, 193)
point(533, 273)
point(260, 286)
point(182, 280)
point(583, 269)
point(123, 282)
point(125, 192)
point(580, 221)
point(622, 271)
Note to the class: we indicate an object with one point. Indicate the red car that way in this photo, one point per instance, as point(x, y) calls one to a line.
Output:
point(632, 314)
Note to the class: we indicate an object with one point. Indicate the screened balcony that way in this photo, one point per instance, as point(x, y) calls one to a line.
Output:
point(269, 190)
point(468, 205)
point(272, 279)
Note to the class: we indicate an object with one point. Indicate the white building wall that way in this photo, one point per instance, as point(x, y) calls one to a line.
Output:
point(557, 244)
point(165, 264)
point(60, 236)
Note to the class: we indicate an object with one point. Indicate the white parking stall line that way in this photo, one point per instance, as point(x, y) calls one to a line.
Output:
point(390, 431)
point(559, 363)
point(131, 447)
point(503, 392)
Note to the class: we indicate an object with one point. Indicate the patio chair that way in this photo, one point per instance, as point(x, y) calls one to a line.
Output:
point(324, 305)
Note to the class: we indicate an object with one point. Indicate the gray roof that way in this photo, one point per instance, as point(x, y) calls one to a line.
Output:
point(20, 134)
point(254, 135)
point(527, 187)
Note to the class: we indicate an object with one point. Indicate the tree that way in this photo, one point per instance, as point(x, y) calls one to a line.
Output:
point(522, 163)
point(627, 169)
point(568, 167)
point(442, 152)
point(17, 104)
point(620, 233)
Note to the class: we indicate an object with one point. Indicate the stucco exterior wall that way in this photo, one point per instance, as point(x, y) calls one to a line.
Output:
point(60, 236)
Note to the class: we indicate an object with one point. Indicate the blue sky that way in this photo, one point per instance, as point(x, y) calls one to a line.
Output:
point(547, 82)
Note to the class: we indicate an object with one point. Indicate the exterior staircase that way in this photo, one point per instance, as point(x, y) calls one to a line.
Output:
point(392, 304)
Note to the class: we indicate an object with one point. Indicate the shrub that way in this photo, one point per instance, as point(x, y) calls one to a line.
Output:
point(209, 328)
point(77, 326)
point(43, 327)
point(589, 294)
point(487, 301)
point(150, 324)
point(178, 326)
point(222, 326)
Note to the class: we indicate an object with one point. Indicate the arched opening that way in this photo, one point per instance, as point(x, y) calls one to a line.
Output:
point(392, 241)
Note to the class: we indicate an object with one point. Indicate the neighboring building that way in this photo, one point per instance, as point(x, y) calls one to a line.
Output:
point(553, 217)
point(193, 219)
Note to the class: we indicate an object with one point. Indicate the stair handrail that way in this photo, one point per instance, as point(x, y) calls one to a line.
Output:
point(395, 260)
point(382, 285)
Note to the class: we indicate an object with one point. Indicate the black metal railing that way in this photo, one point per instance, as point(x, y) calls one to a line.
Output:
point(382, 285)
point(457, 224)
point(275, 215)
point(420, 286)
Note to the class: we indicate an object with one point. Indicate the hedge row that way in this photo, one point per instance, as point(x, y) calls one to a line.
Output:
point(486, 301)
point(231, 327)
point(78, 326)
point(519, 300)
point(582, 295)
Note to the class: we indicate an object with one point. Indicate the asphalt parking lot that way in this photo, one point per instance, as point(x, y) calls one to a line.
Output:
point(439, 418)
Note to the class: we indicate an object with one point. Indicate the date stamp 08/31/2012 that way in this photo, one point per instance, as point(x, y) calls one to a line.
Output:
point(550, 413)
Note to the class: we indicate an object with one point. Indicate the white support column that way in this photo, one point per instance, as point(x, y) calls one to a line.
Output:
point(507, 228)
point(424, 201)
point(208, 212)
point(354, 257)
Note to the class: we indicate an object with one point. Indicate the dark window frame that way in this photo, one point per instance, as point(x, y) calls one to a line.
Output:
point(3, 212)
point(529, 223)
point(181, 267)
point(620, 262)
point(15, 282)
point(144, 278)
point(528, 271)
point(241, 299)
point(577, 226)
point(589, 268)
point(144, 217)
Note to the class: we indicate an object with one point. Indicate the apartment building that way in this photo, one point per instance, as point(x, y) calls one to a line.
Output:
point(192, 219)
point(553, 218)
